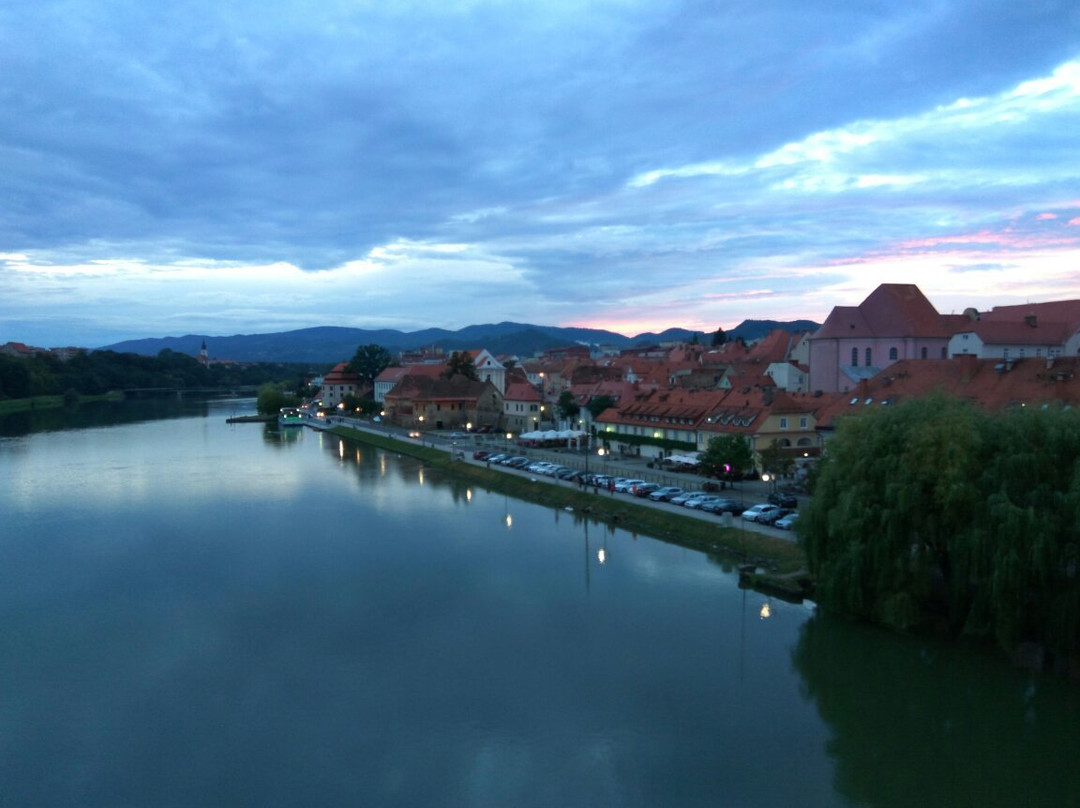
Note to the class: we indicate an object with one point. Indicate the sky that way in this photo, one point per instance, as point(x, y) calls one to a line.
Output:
point(246, 167)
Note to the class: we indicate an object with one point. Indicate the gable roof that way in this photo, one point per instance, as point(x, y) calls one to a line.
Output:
point(891, 310)
point(417, 387)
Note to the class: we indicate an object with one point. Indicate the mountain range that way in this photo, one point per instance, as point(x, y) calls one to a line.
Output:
point(329, 344)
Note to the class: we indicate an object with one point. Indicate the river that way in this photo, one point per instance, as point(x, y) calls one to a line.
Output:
point(203, 614)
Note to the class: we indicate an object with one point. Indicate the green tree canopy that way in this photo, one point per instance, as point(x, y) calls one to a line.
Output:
point(726, 455)
point(775, 459)
point(272, 397)
point(597, 404)
point(461, 363)
point(934, 510)
point(369, 361)
point(568, 408)
point(719, 338)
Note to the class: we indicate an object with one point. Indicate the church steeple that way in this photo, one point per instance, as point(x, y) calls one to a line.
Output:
point(203, 356)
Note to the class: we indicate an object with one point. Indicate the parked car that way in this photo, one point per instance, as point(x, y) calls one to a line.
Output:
point(787, 522)
point(498, 457)
point(480, 454)
point(645, 489)
point(680, 499)
point(770, 518)
point(723, 505)
point(517, 462)
point(755, 512)
point(784, 499)
point(665, 493)
point(626, 484)
point(699, 503)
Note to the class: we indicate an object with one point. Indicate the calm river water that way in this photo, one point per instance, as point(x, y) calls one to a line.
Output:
point(199, 614)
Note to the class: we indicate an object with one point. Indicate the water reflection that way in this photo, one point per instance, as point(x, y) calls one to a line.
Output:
point(917, 723)
point(94, 414)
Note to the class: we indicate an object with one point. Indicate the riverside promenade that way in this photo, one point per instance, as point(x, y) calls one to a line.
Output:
point(463, 445)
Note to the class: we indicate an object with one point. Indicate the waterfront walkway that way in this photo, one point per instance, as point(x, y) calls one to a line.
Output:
point(750, 492)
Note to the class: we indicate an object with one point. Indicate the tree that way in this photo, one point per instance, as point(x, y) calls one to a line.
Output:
point(597, 404)
point(461, 363)
point(369, 361)
point(775, 459)
point(726, 456)
point(568, 408)
point(269, 399)
point(936, 511)
point(719, 338)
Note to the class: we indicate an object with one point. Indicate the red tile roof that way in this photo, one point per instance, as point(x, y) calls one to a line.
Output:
point(990, 383)
point(891, 310)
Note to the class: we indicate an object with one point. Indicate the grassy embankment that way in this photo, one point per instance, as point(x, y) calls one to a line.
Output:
point(780, 556)
point(11, 405)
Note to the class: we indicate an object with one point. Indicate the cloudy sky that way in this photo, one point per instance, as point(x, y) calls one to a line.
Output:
point(242, 167)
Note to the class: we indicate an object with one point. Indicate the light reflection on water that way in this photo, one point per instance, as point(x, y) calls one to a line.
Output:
point(283, 619)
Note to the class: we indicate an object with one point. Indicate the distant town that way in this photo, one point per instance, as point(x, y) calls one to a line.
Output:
point(784, 392)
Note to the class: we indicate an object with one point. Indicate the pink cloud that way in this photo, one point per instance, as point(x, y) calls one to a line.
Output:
point(1044, 216)
point(1074, 222)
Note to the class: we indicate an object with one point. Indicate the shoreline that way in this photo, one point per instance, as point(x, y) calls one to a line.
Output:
point(775, 563)
point(53, 402)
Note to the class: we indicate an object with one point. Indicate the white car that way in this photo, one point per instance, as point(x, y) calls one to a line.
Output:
point(754, 514)
point(627, 485)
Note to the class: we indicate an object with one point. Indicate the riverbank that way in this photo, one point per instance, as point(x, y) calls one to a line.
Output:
point(11, 405)
point(772, 556)
point(251, 419)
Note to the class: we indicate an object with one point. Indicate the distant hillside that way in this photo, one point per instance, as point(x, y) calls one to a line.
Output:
point(753, 330)
point(328, 344)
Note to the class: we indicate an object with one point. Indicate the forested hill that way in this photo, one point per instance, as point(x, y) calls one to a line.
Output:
point(326, 344)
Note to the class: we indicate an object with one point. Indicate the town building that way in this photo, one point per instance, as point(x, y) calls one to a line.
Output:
point(855, 343)
point(337, 384)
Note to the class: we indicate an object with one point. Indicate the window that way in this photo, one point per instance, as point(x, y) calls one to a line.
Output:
point(868, 362)
point(783, 423)
point(854, 357)
point(922, 353)
point(892, 354)
point(943, 348)
point(802, 422)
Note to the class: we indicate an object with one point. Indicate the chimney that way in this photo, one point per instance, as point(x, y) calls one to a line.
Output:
point(1031, 320)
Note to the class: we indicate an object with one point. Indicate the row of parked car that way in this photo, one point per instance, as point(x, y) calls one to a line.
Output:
point(779, 511)
point(528, 464)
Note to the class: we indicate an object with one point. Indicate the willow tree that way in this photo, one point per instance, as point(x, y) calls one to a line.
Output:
point(937, 508)
point(1025, 564)
point(898, 487)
